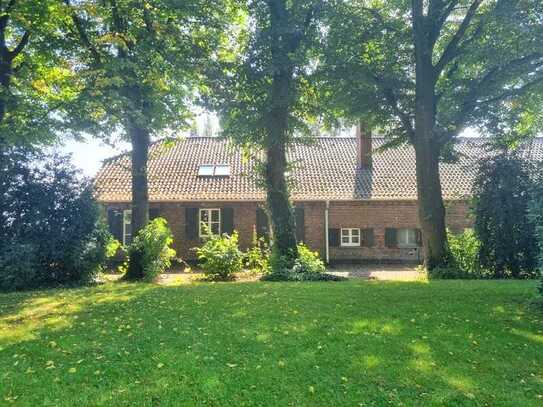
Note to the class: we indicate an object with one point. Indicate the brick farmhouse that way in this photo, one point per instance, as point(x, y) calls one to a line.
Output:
point(353, 200)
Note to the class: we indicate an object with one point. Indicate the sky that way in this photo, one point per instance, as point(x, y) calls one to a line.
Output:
point(89, 153)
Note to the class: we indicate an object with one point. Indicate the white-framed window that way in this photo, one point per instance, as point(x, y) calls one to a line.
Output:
point(407, 237)
point(214, 170)
point(350, 237)
point(210, 222)
point(127, 226)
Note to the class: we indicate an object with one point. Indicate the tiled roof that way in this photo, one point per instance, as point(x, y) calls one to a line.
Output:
point(324, 170)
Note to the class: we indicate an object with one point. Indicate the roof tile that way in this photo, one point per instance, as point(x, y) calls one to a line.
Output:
point(324, 170)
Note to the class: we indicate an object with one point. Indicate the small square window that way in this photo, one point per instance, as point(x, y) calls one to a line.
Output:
point(407, 238)
point(350, 237)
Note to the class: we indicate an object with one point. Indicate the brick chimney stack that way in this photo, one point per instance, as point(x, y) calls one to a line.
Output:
point(363, 146)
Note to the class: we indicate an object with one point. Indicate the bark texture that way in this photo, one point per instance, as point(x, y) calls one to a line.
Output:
point(7, 56)
point(427, 149)
point(277, 137)
point(140, 140)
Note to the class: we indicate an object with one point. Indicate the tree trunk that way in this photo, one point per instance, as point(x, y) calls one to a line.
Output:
point(430, 199)
point(430, 205)
point(140, 140)
point(282, 214)
point(277, 137)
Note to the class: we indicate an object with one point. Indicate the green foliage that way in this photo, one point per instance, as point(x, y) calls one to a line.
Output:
point(48, 210)
point(36, 79)
point(138, 62)
point(220, 257)
point(308, 261)
point(19, 266)
point(367, 70)
point(256, 258)
point(464, 248)
point(306, 267)
point(153, 244)
point(365, 337)
point(502, 191)
point(535, 214)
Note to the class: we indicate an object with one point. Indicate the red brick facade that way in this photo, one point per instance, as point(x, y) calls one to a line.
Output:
point(375, 215)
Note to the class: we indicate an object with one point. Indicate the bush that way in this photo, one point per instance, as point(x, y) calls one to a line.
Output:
point(257, 258)
point(502, 192)
point(464, 249)
point(220, 257)
point(49, 210)
point(307, 267)
point(535, 214)
point(19, 267)
point(308, 261)
point(153, 246)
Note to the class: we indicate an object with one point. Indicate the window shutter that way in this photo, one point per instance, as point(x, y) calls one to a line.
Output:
point(418, 236)
point(115, 223)
point(262, 224)
point(368, 237)
point(154, 213)
point(191, 223)
point(227, 220)
point(333, 237)
point(391, 239)
point(300, 223)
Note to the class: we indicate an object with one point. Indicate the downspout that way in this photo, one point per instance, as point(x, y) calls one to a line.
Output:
point(327, 245)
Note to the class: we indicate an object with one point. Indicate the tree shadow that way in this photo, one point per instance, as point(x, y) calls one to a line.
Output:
point(269, 343)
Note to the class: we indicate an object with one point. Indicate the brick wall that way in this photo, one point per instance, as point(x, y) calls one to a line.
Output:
point(376, 215)
point(380, 215)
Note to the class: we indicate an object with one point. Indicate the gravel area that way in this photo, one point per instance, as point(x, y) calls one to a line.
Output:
point(354, 271)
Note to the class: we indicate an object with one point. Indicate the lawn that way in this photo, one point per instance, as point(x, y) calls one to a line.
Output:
point(347, 343)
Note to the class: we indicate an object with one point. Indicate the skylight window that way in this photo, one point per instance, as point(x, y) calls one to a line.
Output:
point(214, 170)
point(222, 170)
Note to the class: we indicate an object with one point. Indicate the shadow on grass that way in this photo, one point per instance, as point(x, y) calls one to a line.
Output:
point(274, 344)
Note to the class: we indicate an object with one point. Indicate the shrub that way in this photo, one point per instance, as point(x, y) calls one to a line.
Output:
point(464, 249)
point(220, 257)
point(308, 261)
point(535, 214)
point(50, 208)
point(307, 267)
point(19, 267)
point(502, 193)
point(257, 258)
point(153, 246)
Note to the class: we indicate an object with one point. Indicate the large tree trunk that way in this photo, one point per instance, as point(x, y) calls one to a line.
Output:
point(282, 215)
point(430, 204)
point(277, 137)
point(430, 199)
point(140, 194)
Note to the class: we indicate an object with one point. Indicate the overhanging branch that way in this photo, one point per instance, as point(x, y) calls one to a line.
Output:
point(452, 47)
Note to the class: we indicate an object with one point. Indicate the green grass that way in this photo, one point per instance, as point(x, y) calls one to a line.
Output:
point(351, 343)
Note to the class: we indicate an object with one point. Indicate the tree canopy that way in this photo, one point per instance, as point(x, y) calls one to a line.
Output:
point(36, 76)
point(264, 97)
point(422, 72)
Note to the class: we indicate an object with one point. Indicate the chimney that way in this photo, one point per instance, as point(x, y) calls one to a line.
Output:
point(363, 146)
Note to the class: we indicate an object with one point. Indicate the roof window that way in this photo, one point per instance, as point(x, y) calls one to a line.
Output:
point(214, 170)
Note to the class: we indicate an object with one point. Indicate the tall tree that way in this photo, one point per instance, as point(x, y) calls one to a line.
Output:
point(35, 76)
point(262, 98)
point(422, 71)
point(141, 62)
